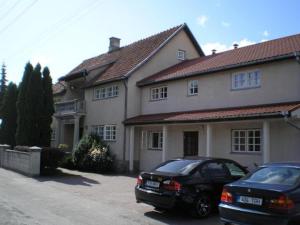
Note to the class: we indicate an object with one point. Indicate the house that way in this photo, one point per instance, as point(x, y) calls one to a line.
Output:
point(174, 101)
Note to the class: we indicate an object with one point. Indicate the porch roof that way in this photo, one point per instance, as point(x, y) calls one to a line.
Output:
point(221, 114)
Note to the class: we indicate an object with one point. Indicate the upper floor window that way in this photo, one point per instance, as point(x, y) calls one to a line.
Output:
point(106, 132)
point(246, 140)
point(159, 93)
point(193, 87)
point(106, 92)
point(181, 54)
point(246, 80)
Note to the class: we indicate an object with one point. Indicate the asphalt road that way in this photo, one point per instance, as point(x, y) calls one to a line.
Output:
point(75, 198)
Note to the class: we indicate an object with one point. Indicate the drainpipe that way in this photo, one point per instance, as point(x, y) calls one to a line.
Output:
point(125, 117)
point(297, 55)
point(286, 119)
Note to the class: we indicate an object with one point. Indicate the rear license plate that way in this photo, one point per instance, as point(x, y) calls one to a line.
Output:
point(152, 184)
point(249, 200)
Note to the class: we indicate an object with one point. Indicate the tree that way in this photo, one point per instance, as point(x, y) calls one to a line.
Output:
point(9, 115)
point(22, 134)
point(3, 86)
point(48, 108)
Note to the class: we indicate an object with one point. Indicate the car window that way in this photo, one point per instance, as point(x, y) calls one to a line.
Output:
point(235, 170)
point(178, 166)
point(276, 175)
point(214, 170)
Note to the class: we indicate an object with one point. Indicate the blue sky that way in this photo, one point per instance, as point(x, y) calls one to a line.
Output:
point(61, 34)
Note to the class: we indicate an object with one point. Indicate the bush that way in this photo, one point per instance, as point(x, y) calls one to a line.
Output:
point(67, 162)
point(51, 158)
point(92, 154)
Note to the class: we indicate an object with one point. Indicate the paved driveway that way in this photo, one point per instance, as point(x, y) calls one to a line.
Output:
point(75, 198)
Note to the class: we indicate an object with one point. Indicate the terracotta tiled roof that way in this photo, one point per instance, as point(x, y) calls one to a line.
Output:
point(238, 113)
point(257, 53)
point(59, 87)
point(128, 57)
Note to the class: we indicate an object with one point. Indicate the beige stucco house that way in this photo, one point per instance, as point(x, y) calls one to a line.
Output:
point(161, 98)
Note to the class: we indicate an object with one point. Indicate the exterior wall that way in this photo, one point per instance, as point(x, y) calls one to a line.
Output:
point(284, 143)
point(108, 111)
point(214, 90)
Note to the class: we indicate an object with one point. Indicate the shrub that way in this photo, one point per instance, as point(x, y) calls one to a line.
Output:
point(50, 158)
point(92, 154)
point(67, 162)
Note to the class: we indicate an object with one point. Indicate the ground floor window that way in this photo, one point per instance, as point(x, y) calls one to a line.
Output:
point(247, 140)
point(155, 140)
point(53, 135)
point(105, 132)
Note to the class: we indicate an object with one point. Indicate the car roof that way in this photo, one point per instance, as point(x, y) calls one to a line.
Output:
point(201, 158)
point(283, 164)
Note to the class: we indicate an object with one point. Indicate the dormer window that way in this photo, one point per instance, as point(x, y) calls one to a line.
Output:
point(180, 54)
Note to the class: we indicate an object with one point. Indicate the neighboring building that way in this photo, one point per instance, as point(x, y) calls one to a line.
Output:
point(161, 98)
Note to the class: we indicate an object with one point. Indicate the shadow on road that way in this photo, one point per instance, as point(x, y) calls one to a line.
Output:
point(179, 218)
point(66, 178)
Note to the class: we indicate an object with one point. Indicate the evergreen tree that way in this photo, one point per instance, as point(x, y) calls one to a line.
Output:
point(23, 110)
point(9, 115)
point(35, 105)
point(48, 108)
point(3, 86)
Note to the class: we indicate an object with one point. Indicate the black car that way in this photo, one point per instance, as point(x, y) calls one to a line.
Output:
point(269, 195)
point(193, 183)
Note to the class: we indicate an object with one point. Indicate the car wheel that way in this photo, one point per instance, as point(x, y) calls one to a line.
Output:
point(202, 206)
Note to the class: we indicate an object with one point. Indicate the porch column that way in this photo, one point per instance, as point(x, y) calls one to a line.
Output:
point(76, 131)
point(208, 140)
point(164, 143)
point(58, 132)
point(266, 141)
point(131, 148)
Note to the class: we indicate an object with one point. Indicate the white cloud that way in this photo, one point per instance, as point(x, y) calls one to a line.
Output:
point(266, 33)
point(263, 40)
point(201, 20)
point(220, 47)
point(225, 24)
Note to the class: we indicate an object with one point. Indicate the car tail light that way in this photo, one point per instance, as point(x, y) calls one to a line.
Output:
point(172, 185)
point(226, 196)
point(139, 180)
point(283, 202)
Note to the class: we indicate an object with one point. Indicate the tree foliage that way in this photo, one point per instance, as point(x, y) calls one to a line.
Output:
point(9, 115)
point(3, 87)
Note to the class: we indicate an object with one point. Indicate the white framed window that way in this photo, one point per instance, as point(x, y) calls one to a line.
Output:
point(105, 132)
point(106, 92)
point(246, 80)
point(155, 140)
point(159, 93)
point(193, 87)
point(247, 140)
point(181, 54)
point(53, 135)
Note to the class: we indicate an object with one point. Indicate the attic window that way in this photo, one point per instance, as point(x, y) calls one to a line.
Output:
point(181, 54)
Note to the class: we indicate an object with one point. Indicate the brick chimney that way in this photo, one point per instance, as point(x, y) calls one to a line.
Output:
point(114, 44)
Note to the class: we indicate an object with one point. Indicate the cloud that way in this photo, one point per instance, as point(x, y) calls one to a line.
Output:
point(220, 47)
point(201, 20)
point(266, 33)
point(225, 24)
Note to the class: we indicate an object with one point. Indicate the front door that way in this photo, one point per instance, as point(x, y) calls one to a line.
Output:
point(190, 143)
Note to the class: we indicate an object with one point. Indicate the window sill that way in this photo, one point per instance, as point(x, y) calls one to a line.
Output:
point(99, 99)
point(246, 153)
point(154, 149)
point(157, 100)
point(247, 88)
point(191, 95)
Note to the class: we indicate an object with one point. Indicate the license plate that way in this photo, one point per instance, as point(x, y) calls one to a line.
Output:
point(152, 184)
point(250, 200)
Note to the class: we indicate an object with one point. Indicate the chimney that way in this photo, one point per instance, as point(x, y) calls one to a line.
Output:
point(114, 44)
point(214, 51)
point(235, 46)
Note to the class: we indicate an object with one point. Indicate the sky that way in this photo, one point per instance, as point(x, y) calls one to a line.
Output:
point(61, 34)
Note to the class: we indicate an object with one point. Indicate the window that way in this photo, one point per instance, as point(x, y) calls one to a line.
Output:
point(178, 166)
point(106, 132)
point(106, 92)
point(246, 80)
point(53, 135)
point(181, 54)
point(193, 87)
point(214, 170)
point(155, 140)
point(246, 140)
point(235, 170)
point(159, 93)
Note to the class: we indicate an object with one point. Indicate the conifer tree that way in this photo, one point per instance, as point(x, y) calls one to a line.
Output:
point(9, 115)
point(3, 86)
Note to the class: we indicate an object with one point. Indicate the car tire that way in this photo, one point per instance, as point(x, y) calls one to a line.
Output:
point(202, 206)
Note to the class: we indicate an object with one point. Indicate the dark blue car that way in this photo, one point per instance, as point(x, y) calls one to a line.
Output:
point(269, 195)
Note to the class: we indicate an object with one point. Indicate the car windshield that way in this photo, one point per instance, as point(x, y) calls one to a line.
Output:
point(178, 166)
point(276, 175)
